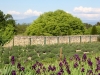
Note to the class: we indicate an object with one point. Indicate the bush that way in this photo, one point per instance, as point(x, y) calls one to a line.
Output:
point(51, 55)
point(94, 30)
point(98, 38)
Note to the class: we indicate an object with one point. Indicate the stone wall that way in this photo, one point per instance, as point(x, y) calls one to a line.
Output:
point(34, 40)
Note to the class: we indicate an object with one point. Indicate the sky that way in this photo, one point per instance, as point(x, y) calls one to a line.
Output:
point(20, 9)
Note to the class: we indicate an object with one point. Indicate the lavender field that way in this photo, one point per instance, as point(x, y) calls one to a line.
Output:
point(59, 59)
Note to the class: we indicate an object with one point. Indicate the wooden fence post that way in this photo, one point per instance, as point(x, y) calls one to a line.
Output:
point(29, 41)
point(57, 39)
point(80, 39)
point(13, 42)
point(44, 40)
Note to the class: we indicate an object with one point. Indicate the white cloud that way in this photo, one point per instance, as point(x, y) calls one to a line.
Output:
point(26, 14)
point(31, 12)
point(88, 13)
point(14, 12)
point(88, 16)
point(86, 10)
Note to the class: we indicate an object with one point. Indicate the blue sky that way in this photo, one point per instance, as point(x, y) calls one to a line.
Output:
point(84, 9)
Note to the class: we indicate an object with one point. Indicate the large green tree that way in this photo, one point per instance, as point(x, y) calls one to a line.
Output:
point(56, 23)
point(7, 27)
point(94, 30)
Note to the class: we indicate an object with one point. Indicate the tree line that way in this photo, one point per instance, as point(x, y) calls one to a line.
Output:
point(52, 23)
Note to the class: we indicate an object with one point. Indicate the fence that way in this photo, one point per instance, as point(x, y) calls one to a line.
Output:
point(43, 40)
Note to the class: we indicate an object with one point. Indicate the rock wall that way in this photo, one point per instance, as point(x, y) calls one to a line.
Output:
point(34, 40)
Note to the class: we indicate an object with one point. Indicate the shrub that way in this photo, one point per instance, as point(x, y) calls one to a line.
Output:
point(98, 38)
point(51, 55)
point(94, 30)
point(42, 57)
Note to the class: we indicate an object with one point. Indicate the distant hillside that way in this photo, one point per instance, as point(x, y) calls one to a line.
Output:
point(93, 22)
point(31, 19)
point(27, 20)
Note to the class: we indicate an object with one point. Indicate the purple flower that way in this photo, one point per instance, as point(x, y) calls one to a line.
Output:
point(77, 58)
point(61, 70)
point(82, 70)
point(64, 61)
point(71, 58)
point(67, 66)
point(38, 71)
point(97, 58)
point(12, 58)
point(60, 64)
point(18, 65)
point(89, 62)
point(76, 65)
point(13, 72)
point(53, 68)
point(13, 62)
point(68, 71)
point(84, 57)
point(44, 69)
point(89, 72)
point(49, 68)
point(98, 73)
point(59, 73)
point(98, 67)
point(34, 67)
point(22, 68)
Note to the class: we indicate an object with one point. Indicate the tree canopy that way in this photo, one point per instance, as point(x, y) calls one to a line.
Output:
point(7, 27)
point(56, 23)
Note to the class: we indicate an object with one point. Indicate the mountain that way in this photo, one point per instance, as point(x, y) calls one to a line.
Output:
point(92, 22)
point(26, 20)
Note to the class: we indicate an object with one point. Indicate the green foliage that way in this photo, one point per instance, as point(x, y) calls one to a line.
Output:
point(94, 30)
point(98, 38)
point(88, 31)
point(7, 27)
point(87, 25)
point(56, 23)
point(98, 29)
point(21, 28)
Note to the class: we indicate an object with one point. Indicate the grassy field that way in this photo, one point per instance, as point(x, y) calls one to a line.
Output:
point(46, 60)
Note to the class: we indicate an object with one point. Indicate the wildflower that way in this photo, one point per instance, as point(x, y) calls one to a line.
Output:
point(53, 68)
point(22, 68)
point(76, 65)
point(97, 58)
point(44, 69)
point(60, 64)
point(18, 65)
point(77, 58)
point(34, 67)
point(12, 60)
point(89, 72)
point(38, 71)
point(84, 57)
point(13, 72)
point(82, 70)
point(61, 70)
point(89, 62)
point(49, 68)
point(59, 73)
point(68, 71)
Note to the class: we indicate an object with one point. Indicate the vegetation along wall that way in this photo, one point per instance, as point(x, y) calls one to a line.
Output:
point(34, 40)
